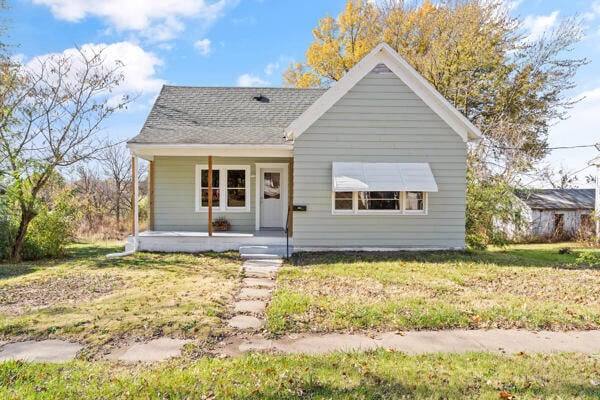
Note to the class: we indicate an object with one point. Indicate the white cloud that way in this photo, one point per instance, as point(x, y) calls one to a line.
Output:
point(538, 25)
point(593, 12)
point(271, 67)
point(138, 66)
point(157, 20)
point(251, 80)
point(203, 46)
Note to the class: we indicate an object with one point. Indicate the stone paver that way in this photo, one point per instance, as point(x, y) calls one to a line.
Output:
point(245, 322)
point(253, 293)
point(258, 282)
point(453, 341)
point(250, 306)
point(155, 350)
point(44, 350)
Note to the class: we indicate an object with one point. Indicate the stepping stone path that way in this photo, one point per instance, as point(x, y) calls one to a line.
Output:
point(43, 350)
point(255, 293)
point(155, 350)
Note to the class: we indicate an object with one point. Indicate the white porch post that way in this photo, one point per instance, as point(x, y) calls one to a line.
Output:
point(136, 195)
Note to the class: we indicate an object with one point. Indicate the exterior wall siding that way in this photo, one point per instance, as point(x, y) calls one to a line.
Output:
point(379, 120)
point(542, 224)
point(174, 198)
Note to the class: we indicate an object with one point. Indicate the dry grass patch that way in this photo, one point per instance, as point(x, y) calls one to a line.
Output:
point(18, 299)
point(530, 287)
point(101, 302)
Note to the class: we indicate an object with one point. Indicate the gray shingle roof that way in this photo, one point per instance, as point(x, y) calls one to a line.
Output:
point(559, 199)
point(223, 115)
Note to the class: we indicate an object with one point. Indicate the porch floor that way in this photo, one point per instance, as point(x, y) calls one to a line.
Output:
point(272, 233)
point(192, 242)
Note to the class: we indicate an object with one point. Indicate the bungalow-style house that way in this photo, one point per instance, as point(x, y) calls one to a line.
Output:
point(376, 162)
point(558, 213)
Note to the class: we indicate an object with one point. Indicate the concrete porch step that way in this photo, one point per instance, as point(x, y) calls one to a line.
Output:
point(263, 252)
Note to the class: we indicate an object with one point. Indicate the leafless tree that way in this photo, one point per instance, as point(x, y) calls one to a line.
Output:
point(52, 111)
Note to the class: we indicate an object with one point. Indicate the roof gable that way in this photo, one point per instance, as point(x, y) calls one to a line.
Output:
point(384, 54)
point(558, 199)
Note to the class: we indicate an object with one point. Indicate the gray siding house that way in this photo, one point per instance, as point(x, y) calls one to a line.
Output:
point(376, 162)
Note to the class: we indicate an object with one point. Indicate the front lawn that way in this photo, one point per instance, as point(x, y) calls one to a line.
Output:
point(372, 375)
point(527, 286)
point(100, 301)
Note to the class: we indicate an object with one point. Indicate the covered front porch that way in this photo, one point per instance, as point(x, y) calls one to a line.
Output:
point(193, 193)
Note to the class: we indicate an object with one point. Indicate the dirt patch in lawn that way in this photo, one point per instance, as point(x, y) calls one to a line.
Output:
point(18, 299)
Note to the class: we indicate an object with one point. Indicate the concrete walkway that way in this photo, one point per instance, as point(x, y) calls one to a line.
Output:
point(453, 341)
point(255, 293)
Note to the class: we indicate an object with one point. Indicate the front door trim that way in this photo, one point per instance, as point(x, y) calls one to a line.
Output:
point(258, 192)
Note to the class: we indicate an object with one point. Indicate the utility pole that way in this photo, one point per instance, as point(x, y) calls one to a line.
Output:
point(596, 162)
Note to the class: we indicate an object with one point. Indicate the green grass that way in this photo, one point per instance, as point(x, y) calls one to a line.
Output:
point(372, 375)
point(100, 301)
point(525, 286)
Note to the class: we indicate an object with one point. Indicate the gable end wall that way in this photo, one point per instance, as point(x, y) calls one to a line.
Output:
point(379, 120)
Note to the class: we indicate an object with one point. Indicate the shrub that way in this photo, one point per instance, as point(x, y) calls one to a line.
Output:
point(49, 232)
point(588, 259)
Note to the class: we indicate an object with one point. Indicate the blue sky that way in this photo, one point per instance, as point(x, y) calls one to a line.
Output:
point(250, 43)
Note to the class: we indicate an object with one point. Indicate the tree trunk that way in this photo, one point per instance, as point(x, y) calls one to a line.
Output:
point(118, 210)
point(26, 217)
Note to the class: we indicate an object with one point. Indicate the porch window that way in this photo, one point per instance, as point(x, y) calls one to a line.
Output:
point(231, 188)
point(215, 183)
point(236, 188)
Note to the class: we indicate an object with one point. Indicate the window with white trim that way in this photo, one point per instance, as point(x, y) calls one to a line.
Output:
point(380, 202)
point(231, 188)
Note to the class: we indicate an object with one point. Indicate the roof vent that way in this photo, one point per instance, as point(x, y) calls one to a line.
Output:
point(261, 98)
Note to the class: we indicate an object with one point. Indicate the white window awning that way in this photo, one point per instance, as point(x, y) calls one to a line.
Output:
point(382, 177)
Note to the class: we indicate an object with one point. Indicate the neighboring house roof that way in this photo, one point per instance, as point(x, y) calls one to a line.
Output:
point(224, 115)
point(384, 54)
point(559, 199)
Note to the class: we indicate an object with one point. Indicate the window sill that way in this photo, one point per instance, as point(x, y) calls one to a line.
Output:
point(225, 210)
point(373, 213)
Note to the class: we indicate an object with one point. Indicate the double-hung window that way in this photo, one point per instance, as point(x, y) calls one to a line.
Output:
point(231, 188)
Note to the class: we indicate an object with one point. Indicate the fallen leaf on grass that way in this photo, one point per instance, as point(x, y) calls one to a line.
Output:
point(506, 395)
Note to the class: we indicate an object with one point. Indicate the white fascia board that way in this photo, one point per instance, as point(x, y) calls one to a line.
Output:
point(384, 54)
point(149, 151)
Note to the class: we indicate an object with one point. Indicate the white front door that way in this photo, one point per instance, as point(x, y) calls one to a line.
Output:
point(272, 198)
